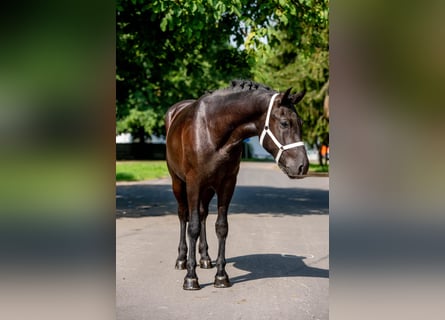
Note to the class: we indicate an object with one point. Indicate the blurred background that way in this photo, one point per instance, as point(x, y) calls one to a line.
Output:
point(386, 174)
point(57, 97)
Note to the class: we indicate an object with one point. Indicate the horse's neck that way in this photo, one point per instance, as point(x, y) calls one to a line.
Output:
point(238, 120)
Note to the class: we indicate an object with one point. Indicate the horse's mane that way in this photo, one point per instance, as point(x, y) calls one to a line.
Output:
point(239, 85)
point(247, 85)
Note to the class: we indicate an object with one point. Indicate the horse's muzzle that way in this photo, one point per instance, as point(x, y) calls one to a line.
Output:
point(297, 169)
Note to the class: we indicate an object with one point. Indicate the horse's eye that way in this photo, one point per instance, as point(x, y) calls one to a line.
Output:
point(284, 124)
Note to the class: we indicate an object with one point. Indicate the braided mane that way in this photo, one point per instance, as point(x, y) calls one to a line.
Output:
point(238, 85)
point(247, 85)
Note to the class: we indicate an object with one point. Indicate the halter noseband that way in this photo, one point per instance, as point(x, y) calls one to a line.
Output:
point(267, 131)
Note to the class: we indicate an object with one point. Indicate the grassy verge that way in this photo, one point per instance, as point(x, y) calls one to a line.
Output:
point(318, 168)
point(312, 167)
point(146, 170)
point(140, 170)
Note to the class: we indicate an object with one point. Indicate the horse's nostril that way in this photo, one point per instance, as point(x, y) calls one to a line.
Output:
point(300, 169)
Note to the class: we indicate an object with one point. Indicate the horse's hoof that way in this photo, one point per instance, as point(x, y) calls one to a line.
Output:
point(191, 284)
point(205, 264)
point(180, 264)
point(222, 282)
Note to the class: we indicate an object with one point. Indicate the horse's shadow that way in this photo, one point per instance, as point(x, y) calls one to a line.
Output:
point(263, 266)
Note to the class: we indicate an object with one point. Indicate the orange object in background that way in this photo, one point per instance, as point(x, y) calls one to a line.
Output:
point(324, 150)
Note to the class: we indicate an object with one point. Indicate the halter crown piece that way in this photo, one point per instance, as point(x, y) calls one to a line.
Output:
point(266, 131)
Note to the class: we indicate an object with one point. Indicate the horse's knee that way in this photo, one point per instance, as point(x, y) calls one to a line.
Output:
point(222, 228)
point(194, 227)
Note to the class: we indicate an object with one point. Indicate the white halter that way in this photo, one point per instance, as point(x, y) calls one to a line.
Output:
point(267, 131)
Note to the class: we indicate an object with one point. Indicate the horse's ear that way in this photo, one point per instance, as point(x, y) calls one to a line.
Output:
point(285, 100)
point(297, 97)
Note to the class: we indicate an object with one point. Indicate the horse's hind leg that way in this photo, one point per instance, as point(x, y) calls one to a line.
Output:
point(179, 190)
point(205, 262)
point(193, 232)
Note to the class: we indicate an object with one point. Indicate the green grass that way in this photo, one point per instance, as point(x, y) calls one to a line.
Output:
point(148, 170)
point(140, 170)
point(318, 168)
point(312, 167)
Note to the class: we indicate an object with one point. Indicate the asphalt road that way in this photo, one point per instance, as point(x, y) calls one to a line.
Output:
point(277, 251)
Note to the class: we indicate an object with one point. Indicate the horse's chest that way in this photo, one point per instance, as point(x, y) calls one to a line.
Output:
point(222, 165)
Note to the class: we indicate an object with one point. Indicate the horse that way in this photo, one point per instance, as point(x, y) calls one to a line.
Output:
point(204, 140)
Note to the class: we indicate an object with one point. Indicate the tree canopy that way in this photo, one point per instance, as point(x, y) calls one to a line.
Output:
point(169, 51)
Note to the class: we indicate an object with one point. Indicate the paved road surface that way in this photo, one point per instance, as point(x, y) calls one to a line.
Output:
point(277, 251)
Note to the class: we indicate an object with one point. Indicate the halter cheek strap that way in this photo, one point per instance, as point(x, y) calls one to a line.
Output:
point(266, 131)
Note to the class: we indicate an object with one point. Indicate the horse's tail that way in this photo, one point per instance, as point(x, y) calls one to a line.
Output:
point(174, 110)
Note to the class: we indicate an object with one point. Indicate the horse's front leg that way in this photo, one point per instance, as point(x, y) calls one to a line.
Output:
point(222, 229)
point(193, 230)
point(205, 262)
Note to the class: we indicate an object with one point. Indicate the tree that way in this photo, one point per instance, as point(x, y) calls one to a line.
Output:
point(173, 50)
point(169, 51)
point(297, 54)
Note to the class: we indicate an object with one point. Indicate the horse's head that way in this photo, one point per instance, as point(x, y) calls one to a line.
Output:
point(281, 135)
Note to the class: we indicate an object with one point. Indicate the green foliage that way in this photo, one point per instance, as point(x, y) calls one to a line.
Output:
point(297, 55)
point(139, 123)
point(168, 51)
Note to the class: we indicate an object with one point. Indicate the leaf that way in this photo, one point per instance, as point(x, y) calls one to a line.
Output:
point(284, 20)
point(163, 24)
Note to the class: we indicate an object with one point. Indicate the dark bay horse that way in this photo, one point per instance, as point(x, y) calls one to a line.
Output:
point(204, 145)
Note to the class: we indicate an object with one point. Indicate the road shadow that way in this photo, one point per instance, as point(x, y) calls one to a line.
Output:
point(142, 200)
point(139, 200)
point(266, 266)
